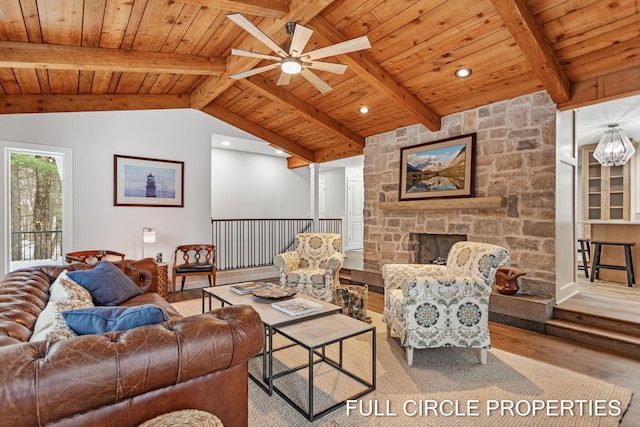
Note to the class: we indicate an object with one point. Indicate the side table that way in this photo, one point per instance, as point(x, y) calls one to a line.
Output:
point(163, 279)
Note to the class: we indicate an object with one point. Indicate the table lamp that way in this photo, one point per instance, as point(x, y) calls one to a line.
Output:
point(148, 236)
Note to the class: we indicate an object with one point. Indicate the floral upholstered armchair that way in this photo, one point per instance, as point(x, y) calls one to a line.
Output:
point(313, 266)
point(443, 306)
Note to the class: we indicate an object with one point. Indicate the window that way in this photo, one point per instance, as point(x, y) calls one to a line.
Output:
point(37, 210)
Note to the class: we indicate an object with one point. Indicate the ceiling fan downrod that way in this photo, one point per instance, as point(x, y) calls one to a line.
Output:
point(290, 27)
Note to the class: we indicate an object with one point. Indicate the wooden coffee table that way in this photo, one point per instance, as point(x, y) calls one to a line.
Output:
point(271, 318)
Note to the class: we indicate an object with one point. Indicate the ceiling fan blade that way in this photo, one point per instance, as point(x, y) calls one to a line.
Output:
point(320, 84)
point(252, 72)
point(352, 45)
point(284, 79)
point(326, 66)
point(255, 32)
point(301, 36)
point(249, 54)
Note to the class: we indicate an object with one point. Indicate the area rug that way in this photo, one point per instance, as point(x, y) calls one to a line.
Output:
point(444, 387)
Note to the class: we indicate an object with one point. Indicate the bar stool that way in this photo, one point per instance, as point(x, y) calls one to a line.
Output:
point(628, 267)
point(585, 251)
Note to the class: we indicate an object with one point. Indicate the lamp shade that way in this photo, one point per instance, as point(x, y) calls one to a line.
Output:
point(614, 148)
point(148, 235)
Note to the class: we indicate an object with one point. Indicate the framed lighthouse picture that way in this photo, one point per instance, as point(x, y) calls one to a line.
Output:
point(140, 181)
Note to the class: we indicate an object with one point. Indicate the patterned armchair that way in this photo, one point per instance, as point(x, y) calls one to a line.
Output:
point(313, 266)
point(443, 306)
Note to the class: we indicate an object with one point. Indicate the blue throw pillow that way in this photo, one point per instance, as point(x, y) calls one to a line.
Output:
point(106, 283)
point(96, 320)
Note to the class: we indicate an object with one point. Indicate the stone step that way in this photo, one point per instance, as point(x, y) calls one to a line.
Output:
point(521, 310)
point(594, 336)
point(370, 277)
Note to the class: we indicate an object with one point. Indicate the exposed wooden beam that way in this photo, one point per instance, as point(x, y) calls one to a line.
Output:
point(300, 11)
point(296, 162)
point(281, 95)
point(254, 129)
point(603, 88)
point(276, 9)
point(20, 104)
point(337, 152)
point(524, 29)
point(365, 67)
point(56, 57)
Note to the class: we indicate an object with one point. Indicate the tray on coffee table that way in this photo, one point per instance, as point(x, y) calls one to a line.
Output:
point(275, 292)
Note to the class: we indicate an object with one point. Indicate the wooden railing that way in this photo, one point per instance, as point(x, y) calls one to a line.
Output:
point(247, 243)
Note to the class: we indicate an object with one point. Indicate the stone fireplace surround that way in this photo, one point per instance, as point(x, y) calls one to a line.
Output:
point(514, 161)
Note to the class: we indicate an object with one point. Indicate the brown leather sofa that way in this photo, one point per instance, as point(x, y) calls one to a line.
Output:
point(127, 377)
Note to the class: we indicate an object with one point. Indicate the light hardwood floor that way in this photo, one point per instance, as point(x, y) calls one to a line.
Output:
point(612, 300)
point(566, 354)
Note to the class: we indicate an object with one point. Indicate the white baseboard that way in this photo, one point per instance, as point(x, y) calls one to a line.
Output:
point(567, 291)
point(234, 276)
point(246, 274)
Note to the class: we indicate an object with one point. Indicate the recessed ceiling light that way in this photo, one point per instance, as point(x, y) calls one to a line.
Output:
point(463, 72)
point(225, 143)
point(363, 110)
point(279, 151)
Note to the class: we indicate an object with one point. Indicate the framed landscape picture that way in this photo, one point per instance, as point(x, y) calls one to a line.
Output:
point(140, 181)
point(441, 168)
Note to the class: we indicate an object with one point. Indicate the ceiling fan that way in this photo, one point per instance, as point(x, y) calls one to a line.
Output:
point(292, 59)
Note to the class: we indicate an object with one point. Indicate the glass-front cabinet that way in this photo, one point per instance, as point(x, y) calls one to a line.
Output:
point(606, 192)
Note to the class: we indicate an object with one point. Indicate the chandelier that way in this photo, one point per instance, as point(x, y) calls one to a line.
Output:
point(614, 148)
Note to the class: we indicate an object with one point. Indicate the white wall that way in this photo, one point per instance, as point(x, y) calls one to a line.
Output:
point(183, 135)
point(246, 185)
point(218, 183)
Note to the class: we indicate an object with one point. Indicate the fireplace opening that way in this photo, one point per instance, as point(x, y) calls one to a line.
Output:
point(434, 248)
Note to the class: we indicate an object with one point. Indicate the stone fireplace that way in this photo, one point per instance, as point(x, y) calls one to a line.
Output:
point(514, 164)
point(431, 248)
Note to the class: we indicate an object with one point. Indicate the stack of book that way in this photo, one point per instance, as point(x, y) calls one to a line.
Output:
point(296, 306)
point(246, 287)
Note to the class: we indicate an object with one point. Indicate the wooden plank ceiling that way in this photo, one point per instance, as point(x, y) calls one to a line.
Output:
point(92, 55)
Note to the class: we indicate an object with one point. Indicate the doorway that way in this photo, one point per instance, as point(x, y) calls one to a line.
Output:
point(37, 209)
point(355, 214)
point(601, 297)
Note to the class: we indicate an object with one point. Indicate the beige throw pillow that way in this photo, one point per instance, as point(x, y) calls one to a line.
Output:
point(64, 294)
point(43, 325)
point(64, 289)
point(60, 330)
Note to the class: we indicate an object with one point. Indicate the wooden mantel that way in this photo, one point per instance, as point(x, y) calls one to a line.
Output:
point(440, 204)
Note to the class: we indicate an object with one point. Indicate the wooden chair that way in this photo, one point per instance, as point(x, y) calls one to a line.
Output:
point(194, 260)
point(93, 257)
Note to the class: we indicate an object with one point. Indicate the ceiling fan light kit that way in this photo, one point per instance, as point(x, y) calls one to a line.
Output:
point(291, 66)
point(291, 57)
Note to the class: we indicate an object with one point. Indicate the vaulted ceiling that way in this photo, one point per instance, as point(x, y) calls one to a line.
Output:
point(96, 55)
